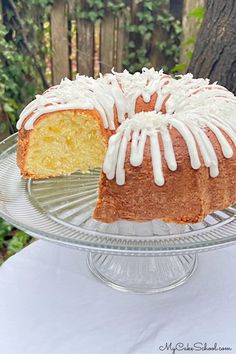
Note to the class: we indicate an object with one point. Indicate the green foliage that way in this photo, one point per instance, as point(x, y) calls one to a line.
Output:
point(5, 229)
point(94, 10)
point(198, 13)
point(14, 90)
point(189, 41)
point(19, 79)
point(11, 240)
point(150, 16)
point(179, 68)
point(153, 16)
point(17, 242)
point(170, 47)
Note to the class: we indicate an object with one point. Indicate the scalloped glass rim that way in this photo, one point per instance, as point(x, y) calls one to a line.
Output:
point(153, 245)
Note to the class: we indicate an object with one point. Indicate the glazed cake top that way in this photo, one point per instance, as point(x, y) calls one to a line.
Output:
point(121, 90)
point(187, 104)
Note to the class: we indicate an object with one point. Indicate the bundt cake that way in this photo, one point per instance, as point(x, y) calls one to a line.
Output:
point(167, 146)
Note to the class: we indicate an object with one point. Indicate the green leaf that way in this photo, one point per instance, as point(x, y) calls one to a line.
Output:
point(179, 68)
point(189, 54)
point(142, 29)
point(199, 13)
point(4, 225)
point(7, 108)
point(190, 41)
point(149, 5)
point(3, 127)
point(1, 240)
point(18, 242)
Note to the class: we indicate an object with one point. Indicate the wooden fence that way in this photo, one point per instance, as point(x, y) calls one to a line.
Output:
point(84, 46)
point(81, 45)
point(99, 46)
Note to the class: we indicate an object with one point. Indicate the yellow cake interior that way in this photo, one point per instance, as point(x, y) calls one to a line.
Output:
point(64, 142)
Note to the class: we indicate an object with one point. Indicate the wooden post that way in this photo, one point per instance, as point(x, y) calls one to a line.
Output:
point(85, 42)
point(176, 8)
point(107, 43)
point(135, 8)
point(60, 44)
point(85, 47)
point(121, 41)
point(190, 30)
point(157, 57)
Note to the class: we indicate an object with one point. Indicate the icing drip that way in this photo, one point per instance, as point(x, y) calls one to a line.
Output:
point(119, 89)
point(191, 106)
point(156, 159)
point(137, 147)
point(122, 90)
point(82, 93)
point(190, 125)
point(143, 84)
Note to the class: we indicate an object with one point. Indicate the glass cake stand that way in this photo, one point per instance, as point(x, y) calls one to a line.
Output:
point(145, 257)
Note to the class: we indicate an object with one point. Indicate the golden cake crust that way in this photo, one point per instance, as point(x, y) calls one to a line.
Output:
point(187, 196)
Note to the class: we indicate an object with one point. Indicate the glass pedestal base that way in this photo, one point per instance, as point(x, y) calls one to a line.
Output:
point(142, 275)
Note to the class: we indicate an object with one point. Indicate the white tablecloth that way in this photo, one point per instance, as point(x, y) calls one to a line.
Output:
point(51, 304)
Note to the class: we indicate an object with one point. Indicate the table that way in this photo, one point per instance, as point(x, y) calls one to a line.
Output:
point(51, 304)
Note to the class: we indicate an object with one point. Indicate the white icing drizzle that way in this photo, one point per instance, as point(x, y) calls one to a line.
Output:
point(119, 89)
point(156, 159)
point(137, 147)
point(82, 93)
point(169, 153)
point(128, 87)
point(191, 106)
point(191, 126)
point(122, 90)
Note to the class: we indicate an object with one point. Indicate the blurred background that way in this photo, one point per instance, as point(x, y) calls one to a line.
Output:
point(42, 41)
